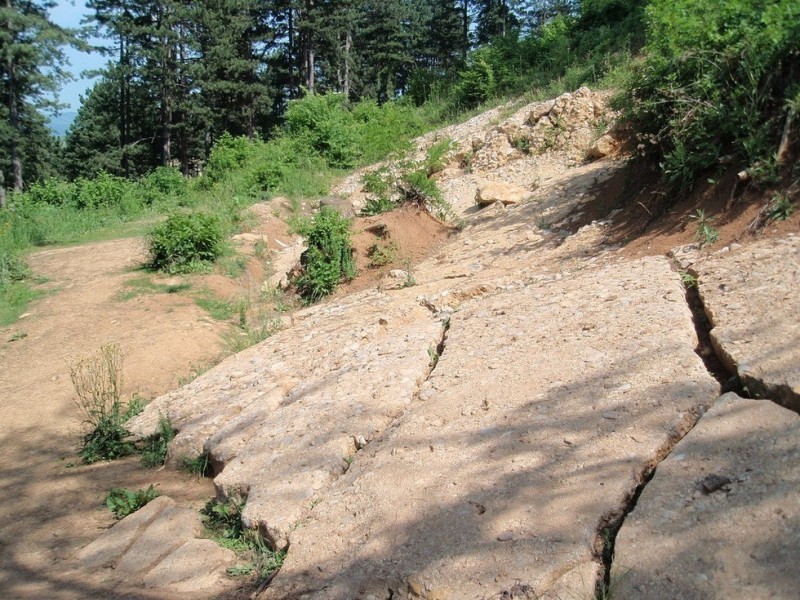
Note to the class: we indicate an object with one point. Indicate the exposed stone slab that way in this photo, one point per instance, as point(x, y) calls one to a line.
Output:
point(546, 407)
point(173, 527)
point(193, 568)
point(721, 516)
point(158, 547)
point(109, 547)
point(282, 419)
point(751, 298)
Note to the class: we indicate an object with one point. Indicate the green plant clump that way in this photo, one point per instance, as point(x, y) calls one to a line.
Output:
point(223, 521)
point(154, 449)
point(717, 79)
point(185, 243)
point(329, 257)
point(97, 380)
point(706, 233)
point(123, 502)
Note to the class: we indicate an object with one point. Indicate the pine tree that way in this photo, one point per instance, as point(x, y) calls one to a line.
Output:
point(31, 66)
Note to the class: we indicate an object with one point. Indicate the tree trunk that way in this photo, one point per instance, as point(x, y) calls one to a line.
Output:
point(293, 91)
point(13, 114)
point(123, 106)
point(348, 43)
point(2, 191)
point(465, 30)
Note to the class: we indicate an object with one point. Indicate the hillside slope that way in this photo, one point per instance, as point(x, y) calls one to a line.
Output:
point(484, 432)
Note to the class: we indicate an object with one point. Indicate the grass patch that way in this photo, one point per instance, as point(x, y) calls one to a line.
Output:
point(154, 449)
point(145, 285)
point(218, 309)
point(223, 522)
point(14, 300)
point(123, 502)
point(199, 465)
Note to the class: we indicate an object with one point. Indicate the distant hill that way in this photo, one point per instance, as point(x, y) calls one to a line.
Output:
point(60, 123)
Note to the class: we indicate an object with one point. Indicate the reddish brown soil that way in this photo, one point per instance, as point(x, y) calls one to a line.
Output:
point(412, 233)
point(649, 222)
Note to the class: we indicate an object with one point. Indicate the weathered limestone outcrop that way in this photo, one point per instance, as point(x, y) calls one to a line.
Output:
point(721, 517)
point(158, 547)
point(751, 297)
point(281, 421)
point(548, 404)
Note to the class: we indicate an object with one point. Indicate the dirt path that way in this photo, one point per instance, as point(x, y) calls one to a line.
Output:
point(52, 505)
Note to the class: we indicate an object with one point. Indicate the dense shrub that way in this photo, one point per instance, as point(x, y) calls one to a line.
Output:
point(228, 154)
point(185, 242)
point(325, 125)
point(716, 80)
point(328, 258)
point(163, 183)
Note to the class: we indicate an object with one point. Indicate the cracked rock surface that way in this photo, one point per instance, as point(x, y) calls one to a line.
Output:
point(721, 516)
point(540, 417)
point(282, 420)
point(751, 298)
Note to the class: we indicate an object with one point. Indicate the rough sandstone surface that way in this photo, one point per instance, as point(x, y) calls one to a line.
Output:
point(547, 405)
point(282, 420)
point(158, 546)
point(751, 298)
point(566, 373)
point(721, 517)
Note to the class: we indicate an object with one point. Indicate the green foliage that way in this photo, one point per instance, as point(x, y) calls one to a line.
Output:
point(199, 465)
point(164, 183)
point(223, 521)
point(123, 502)
point(322, 123)
point(706, 233)
point(436, 156)
point(482, 79)
point(97, 380)
point(716, 80)
point(780, 208)
point(154, 449)
point(379, 186)
point(228, 154)
point(381, 255)
point(328, 258)
point(185, 243)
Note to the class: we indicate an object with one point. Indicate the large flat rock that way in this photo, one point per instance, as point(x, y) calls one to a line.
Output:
point(158, 547)
point(547, 406)
point(282, 420)
point(688, 538)
point(751, 298)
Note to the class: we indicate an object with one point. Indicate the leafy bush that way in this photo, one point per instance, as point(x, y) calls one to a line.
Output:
point(97, 380)
point(324, 124)
point(229, 153)
point(185, 242)
point(163, 182)
point(478, 82)
point(715, 81)
point(103, 190)
point(123, 502)
point(328, 258)
point(51, 191)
